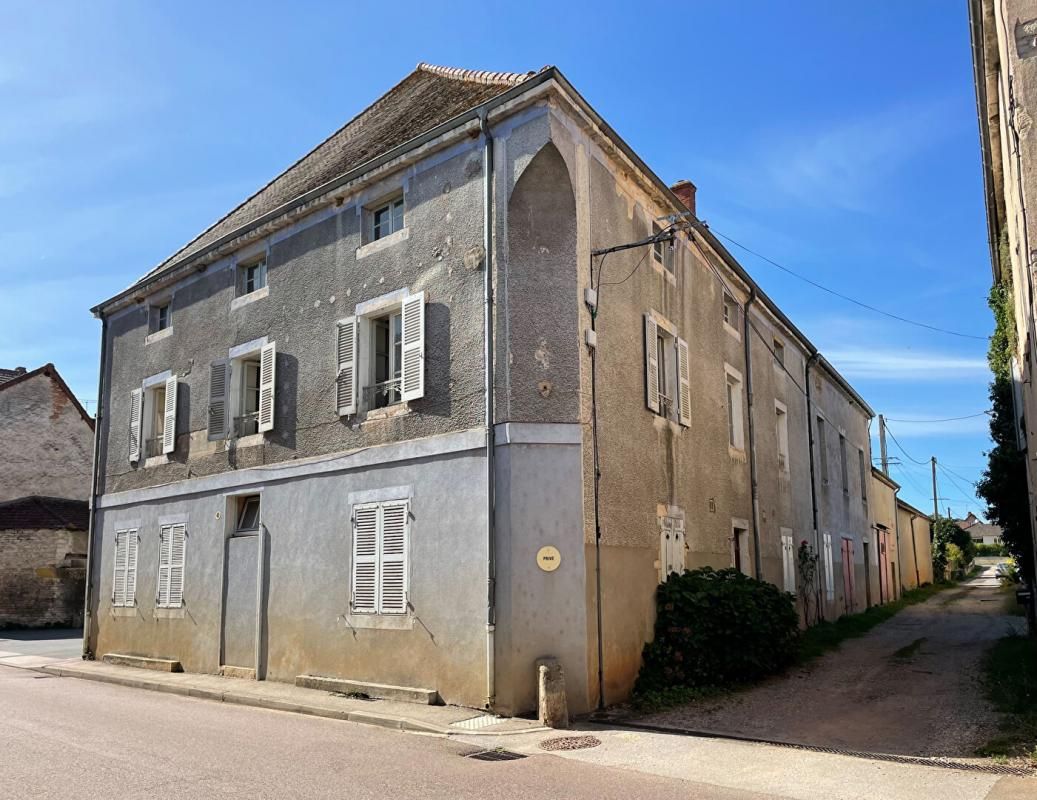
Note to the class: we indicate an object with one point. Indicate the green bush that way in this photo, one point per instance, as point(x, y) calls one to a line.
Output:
point(717, 628)
point(991, 549)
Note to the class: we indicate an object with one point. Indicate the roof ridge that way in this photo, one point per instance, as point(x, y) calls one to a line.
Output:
point(476, 75)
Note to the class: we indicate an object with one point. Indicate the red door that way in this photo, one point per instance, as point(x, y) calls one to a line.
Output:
point(848, 593)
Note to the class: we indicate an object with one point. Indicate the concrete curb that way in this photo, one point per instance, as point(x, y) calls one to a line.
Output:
point(384, 720)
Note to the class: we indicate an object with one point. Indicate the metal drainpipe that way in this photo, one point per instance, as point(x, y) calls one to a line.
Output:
point(813, 477)
point(899, 589)
point(754, 483)
point(491, 555)
point(914, 549)
point(87, 652)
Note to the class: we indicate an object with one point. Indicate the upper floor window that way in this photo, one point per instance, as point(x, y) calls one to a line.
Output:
point(152, 418)
point(822, 450)
point(863, 465)
point(251, 277)
point(781, 421)
point(844, 472)
point(241, 391)
point(662, 252)
point(387, 218)
point(667, 372)
point(735, 431)
point(160, 318)
point(779, 352)
point(730, 312)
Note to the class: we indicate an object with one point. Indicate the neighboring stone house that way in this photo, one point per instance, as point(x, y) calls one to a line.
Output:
point(42, 562)
point(306, 468)
point(47, 436)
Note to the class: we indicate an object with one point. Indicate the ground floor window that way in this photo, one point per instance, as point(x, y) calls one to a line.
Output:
point(124, 582)
point(380, 573)
point(172, 550)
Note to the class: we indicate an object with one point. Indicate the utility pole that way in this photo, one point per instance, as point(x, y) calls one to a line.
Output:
point(936, 507)
point(882, 445)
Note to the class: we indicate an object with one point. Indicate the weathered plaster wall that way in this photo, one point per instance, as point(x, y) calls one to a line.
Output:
point(882, 504)
point(42, 575)
point(916, 555)
point(314, 279)
point(47, 445)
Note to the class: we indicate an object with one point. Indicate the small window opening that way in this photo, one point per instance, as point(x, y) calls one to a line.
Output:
point(252, 277)
point(387, 219)
point(248, 513)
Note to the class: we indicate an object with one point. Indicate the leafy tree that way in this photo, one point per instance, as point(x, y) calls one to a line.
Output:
point(952, 547)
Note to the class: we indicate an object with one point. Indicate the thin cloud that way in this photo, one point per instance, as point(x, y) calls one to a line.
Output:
point(897, 365)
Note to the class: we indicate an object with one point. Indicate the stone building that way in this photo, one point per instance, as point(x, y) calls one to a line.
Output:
point(351, 430)
point(44, 484)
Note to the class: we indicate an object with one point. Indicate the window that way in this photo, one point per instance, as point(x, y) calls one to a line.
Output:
point(386, 219)
point(781, 421)
point(248, 514)
point(124, 582)
point(160, 319)
point(672, 546)
point(380, 568)
point(171, 550)
point(843, 469)
point(152, 418)
point(381, 354)
point(779, 352)
point(736, 436)
point(251, 277)
point(731, 314)
point(667, 372)
point(863, 466)
point(822, 450)
point(241, 391)
point(662, 252)
point(788, 560)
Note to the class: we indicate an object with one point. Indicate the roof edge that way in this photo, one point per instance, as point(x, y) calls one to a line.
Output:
point(908, 507)
point(50, 371)
point(476, 75)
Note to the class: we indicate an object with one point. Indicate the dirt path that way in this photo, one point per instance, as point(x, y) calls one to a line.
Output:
point(910, 686)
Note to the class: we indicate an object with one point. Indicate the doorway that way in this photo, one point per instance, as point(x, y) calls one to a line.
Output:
point(848, 582)
point(242, 629)
point(867, 575)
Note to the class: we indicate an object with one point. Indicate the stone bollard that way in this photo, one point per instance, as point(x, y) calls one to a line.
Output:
point(552, 709)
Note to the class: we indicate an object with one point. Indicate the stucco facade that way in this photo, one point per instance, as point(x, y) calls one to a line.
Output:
point(916, 545)
point(479, 609)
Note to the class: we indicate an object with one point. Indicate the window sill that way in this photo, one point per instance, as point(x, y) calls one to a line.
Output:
point(381, 244)
point(251, 297)
point(255, 440)
point(396, 410)
point(170, 613)
point(165, 333)
point(733, 331)
point(156, 461)
point(736, 453)
point(124, 611)
point(383, 622)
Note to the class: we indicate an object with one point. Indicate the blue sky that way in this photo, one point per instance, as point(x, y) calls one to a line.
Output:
point(839, 141)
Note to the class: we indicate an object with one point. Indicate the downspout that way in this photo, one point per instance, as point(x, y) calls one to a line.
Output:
point(94, 480)
point(491, 555)
point(813, 478)
point(899, 588)
point(753, 481)
point(914, 551)
point(597, 494)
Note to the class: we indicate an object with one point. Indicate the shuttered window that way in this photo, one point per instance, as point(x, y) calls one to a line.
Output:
point(169, 417)
point(218, 374)
point(124, 581)
point(380, 563)
point(788, 560)
point(171, 548)
point(829, 568)
point(412, 376)
point(267, 380)
point(672, 546)
point(346, 346)
point(136, 403)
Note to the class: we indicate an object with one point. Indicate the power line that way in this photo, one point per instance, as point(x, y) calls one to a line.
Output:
point(847, 298)
point(902, 450)
point(948, 419)
point(974, 484)
point(954, 482)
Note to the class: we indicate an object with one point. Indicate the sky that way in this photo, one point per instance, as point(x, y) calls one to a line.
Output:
point(839, 140)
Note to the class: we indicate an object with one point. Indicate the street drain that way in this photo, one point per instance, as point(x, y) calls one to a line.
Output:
point(496, 754)
point(570, 743)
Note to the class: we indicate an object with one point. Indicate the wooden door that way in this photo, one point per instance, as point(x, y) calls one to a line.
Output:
point(848, 584)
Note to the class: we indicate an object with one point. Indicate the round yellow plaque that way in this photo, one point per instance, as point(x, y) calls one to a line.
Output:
point(548, 558)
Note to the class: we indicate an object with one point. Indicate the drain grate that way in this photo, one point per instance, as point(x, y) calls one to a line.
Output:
point(496, 754)
point(475, 723)
point(570, 743)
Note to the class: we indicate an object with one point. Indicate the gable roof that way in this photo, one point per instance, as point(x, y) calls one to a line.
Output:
point(50, 371)
point(36, 512)
point(427, 97)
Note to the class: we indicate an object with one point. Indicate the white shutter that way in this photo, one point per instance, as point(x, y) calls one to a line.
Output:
point(684, 384)
point(788, 560)
point(267, 362)
point(132, 538)
point(119, 575)
point(347, 360)
point(365, 559)
point(412, 372)
point(829, 568)
point(177, 548)
point(164, 543)
point(392, 563)
point(136, 397)
point(651, 364)
point(218, 379)
point(169, 417)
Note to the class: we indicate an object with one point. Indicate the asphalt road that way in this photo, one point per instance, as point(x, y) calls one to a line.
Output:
point(69, 738)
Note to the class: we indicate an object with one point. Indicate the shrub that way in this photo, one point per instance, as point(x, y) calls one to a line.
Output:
point(991, 550)
point(718, 628)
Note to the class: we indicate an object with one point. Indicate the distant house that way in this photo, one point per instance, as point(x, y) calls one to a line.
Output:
point(45, 467)
point(42, 562)
point(981, 532)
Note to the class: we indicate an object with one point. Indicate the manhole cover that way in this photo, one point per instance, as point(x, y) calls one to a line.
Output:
point(570, 743)
point(494, 755)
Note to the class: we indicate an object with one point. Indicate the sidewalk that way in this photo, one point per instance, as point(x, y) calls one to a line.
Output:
point(443, 720)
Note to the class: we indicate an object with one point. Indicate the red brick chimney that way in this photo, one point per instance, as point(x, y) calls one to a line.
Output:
point(685, 190)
